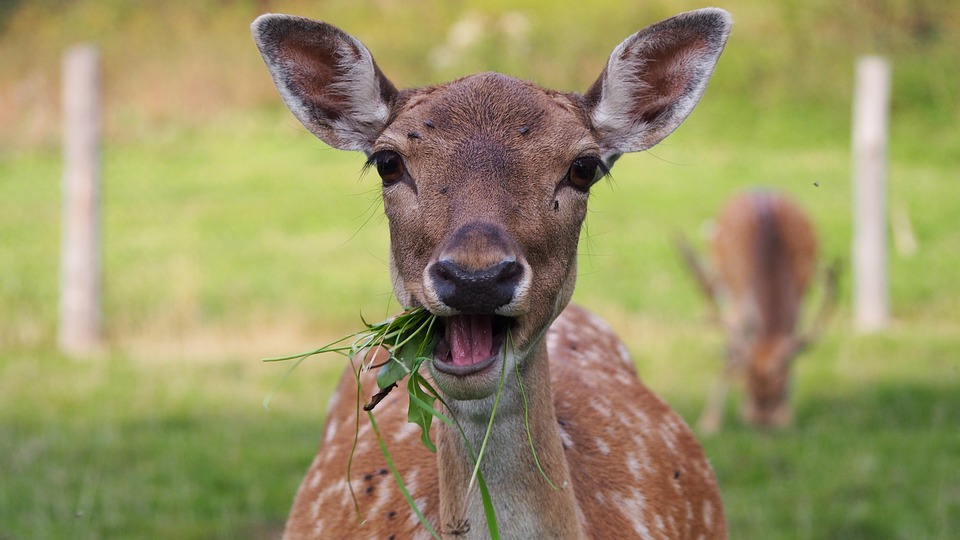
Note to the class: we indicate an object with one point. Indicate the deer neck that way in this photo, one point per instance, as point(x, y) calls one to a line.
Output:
point(526, 505)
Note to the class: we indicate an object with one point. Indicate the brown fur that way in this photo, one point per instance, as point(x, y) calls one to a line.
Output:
point(481, 180)
point(764, 253)
point(632, 459)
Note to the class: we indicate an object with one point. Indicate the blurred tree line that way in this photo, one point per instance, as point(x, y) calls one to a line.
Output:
point(181, 62)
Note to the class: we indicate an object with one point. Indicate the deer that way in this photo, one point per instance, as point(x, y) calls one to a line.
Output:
point(485, 181)
point(764, 253)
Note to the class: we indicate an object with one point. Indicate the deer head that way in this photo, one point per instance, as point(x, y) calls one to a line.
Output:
point(486, 179)
point(485, 183)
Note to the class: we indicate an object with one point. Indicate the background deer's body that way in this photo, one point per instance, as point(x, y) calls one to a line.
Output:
point(764, 256)
point(485, 186)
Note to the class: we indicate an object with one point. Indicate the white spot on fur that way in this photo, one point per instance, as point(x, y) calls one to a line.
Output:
point(422, 505)
point(640, 419)
point(385, 493)
point(708, 514)
point(365, 431)
point(411, 481)
point(331, 430)
point(565, 438)
point(602, 446)
point(407, 431)
point(633, 508)
point(314, 481)
point(643, 456)
point(315, 507)
point(633, 465)
point(318, 528)
point(624, 355)
point(333, 401)
point(581, 518)
point(321, 504)
point(669, 441)
point(552, 339)
point(315, 467)
point(334, 490)
point(603, 406)
point(661, 526)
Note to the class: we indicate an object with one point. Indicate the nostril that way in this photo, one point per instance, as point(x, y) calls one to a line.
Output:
point(475, 291)
point(509, 271)
point(443, 270)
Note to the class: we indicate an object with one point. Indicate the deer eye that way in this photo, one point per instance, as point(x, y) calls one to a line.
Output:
point(585, 171)
point(389, 166)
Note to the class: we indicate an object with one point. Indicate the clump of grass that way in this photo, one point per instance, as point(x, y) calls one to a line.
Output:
point(410, 338)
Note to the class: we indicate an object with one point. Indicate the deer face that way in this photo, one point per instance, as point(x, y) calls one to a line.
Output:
point(485, 188)
point(768, 377)
point(485, 179)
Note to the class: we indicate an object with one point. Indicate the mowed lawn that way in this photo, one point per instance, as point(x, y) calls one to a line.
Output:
point(247, 238)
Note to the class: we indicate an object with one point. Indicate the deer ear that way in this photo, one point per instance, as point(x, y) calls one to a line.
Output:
point(654, 79)
point(327, 78)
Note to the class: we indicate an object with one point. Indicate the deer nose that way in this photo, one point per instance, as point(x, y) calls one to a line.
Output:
point(472, 291)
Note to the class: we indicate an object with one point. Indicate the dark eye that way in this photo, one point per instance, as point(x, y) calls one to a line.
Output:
point(585, 171)
point(389, 166)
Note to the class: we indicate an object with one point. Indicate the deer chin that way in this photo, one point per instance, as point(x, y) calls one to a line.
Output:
point(468, 359)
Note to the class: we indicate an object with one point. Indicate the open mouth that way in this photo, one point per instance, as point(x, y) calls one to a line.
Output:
point(470, 343)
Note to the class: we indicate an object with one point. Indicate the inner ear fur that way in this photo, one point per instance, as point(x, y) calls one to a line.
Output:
point(654, 78)
point(327, 78)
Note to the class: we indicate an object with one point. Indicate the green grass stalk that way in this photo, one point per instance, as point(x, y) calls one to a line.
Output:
point(399, 479)
point(526, 422)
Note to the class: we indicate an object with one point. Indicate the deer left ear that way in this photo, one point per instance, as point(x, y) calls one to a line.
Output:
point(327, 78)
point(654, 79)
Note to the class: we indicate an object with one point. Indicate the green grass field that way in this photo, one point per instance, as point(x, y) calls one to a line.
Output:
point(240, 236)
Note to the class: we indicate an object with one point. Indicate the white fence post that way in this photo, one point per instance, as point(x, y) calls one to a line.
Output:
point(80, 318)
point(871, 106)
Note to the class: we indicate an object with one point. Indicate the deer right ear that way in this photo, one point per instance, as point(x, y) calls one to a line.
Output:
point(327, 78)
point(653, 80)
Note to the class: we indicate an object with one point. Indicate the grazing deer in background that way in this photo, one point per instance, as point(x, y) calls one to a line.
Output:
point(764, 255)
point(485, 186)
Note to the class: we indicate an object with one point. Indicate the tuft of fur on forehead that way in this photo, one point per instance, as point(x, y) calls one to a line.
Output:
point(490, 103)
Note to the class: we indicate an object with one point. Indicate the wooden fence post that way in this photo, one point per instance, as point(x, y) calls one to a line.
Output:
point(80, 317)
point(871, 106)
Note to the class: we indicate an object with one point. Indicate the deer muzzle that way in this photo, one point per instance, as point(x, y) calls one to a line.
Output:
point(476, 291)
point(478, 271)
point(478, 284)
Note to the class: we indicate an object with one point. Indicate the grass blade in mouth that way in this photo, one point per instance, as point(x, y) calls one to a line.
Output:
point(409, 338)
point(396, 476)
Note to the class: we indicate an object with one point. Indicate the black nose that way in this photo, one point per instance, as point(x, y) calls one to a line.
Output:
point(476, 291)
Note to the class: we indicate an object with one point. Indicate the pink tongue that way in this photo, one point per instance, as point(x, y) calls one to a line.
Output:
point(471, 338)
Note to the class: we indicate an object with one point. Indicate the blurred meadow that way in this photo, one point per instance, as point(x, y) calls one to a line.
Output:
point(230, 234)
